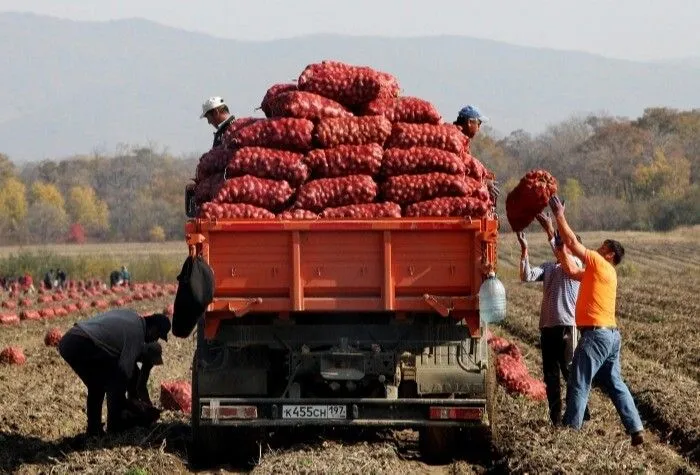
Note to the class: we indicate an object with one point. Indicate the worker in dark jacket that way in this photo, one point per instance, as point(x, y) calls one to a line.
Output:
point(217, 114)
point(103, 352)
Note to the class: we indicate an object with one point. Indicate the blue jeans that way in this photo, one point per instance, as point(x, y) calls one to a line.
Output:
point(598, 356)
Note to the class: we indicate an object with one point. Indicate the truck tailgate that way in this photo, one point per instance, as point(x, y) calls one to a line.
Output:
point(402, 265)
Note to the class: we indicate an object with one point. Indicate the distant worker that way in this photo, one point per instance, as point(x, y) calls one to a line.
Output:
point(103, 352)
point(61, 278)
point(217, 114)
point(27, 283)
point(126, 276)
point(598, 352)
point(558, 334)
point(115, 278)
point(49, 280)
point(469, 120)
point(119, 277)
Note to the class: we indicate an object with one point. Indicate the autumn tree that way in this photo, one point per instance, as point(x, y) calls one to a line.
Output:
point(47, 193)
point(156, 234)
point(85, 208)
point(664, 177)
point(610, 157)
point(572, 192)
point(7, 168)
point(13, 204)
point(47, 220)
point(46, 223)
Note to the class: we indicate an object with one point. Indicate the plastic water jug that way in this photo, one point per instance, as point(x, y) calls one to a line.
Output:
point(492, 300)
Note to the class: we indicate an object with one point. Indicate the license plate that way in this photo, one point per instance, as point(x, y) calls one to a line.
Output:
point(332, 411)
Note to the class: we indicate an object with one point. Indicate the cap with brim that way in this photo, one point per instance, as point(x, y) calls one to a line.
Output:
point(472, 112)
point(211, 104)
point(162, 323)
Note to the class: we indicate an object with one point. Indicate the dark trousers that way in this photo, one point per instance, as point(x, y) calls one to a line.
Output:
point(558, 344)
point(100, 372)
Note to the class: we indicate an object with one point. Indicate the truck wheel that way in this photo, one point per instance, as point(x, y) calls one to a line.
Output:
point(491, 384)
point(204, 447)
point(437, 444)
point(213, 445)
point(476, 443)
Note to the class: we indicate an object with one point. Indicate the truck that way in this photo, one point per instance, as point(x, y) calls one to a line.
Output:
point(344, 323)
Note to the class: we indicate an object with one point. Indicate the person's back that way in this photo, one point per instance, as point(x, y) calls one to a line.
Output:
point(120, 332)
point(115, 278)
point(559, 295)
point(103, 352)
point(48, 279)
point(598, 293)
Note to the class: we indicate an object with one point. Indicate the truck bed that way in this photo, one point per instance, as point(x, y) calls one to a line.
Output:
point(395, 265)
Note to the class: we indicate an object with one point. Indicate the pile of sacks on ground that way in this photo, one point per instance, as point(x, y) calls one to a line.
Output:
point(511, 371)
point(341, 143)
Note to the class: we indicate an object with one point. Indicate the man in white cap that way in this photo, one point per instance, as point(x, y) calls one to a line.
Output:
point(217, 114)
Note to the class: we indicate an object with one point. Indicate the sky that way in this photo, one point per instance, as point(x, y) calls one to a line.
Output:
point(626, 29)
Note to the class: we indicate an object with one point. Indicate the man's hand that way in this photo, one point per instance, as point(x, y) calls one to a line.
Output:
point(522, 240)
point(546, 223)
point(556, 205)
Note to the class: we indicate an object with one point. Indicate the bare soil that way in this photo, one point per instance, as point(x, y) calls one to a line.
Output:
point(42, 402)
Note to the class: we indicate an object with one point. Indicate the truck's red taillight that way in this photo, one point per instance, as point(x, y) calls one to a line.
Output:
point(456, 413)
point(217, 412)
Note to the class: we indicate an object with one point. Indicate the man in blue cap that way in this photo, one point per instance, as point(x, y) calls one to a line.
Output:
point(469, 120)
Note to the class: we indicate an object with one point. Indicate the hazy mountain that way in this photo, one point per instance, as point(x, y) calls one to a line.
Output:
point(70, 87)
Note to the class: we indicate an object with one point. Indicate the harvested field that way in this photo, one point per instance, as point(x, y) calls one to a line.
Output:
point(42, 402)
point(116, 249)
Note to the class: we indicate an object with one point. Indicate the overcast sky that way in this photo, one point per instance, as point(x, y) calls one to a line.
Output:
point(631, 29)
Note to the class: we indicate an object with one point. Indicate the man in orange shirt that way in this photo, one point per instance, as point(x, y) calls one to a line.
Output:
point(598, 352)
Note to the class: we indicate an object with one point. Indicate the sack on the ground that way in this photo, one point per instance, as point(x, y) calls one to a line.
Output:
point(176, 396)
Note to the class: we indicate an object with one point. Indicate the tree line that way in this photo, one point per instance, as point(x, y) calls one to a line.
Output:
point(614, 174)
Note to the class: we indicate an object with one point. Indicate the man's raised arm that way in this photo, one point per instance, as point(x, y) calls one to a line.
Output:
point(567, 234)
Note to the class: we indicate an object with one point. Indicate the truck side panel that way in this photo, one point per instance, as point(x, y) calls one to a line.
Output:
point(358, 268)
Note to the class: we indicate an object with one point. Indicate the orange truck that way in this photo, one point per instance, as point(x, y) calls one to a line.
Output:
point(360, 323)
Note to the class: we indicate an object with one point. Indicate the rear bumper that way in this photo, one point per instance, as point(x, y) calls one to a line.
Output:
point(399, 413)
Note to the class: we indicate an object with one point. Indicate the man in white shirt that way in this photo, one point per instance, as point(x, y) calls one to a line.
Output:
point(558, 334)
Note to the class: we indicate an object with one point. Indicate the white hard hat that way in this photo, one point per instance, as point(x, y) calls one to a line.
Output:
point(210, 104)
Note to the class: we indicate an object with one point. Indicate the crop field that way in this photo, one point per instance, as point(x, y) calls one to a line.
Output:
point(42, 402)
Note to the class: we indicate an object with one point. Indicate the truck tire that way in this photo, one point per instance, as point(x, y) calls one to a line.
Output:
point(476, 443)
point(442, 444)
point(204, 449)
point(213, 445)
point(437, 444)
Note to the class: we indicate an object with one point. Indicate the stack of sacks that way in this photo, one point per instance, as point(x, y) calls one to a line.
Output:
point(341, 143)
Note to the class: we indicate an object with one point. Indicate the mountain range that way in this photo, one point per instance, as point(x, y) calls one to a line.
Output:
point(72, 87)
